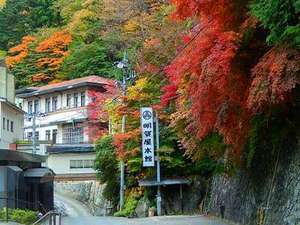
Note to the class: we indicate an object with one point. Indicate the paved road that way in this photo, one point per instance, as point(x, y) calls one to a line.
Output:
point(78, 215)
point(169, 220)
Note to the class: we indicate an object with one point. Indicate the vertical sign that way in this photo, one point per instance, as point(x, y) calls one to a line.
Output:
point(147, 136)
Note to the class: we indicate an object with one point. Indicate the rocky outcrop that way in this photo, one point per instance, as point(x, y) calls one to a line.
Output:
point(268, 193)
point(88, 192)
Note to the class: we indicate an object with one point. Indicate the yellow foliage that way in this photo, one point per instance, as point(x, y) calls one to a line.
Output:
point(2, 3)
point(131, 26)
point(136, 91)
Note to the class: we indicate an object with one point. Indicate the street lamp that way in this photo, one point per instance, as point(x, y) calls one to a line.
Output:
point(128, 76)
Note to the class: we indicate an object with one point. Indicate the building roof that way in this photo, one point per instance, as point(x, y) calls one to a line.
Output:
point(163, 182)
point(70, 148)
point(38, 172)
point(5, 101)
point(15, 156)
point(93, 81)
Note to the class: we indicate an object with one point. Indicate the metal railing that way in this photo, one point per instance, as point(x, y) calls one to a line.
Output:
point(51, 218)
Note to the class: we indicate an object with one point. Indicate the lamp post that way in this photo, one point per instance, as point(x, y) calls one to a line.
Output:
point(128, 76)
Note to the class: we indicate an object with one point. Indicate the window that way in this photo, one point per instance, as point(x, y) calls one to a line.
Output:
point(54, 136)
point(48, 105)
point(36, 106)
point(73, 134)
point(68, 100)
point(80, 164)
point(30, 107)
point(54, 104)
point(75, 100)
point(12, 126)
point(88, 163)
point(82, 99)
point(7, 125)
point(3, 123)
point(29, 135)
point(37, 135)
point(48, 135)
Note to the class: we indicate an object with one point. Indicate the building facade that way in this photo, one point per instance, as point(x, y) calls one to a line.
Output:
point(61, 116)
point(12, 117)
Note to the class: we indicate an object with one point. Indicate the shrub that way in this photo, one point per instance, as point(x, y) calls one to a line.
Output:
point(26, 217)
point(129, 208)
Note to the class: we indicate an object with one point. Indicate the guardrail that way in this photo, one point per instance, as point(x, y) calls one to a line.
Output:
point(51, 218)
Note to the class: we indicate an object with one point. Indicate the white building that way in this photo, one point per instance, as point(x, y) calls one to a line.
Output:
point(63, 121)
point(12, 117)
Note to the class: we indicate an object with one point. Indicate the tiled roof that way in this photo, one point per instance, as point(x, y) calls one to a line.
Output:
point(75, 83)
point(89, 79)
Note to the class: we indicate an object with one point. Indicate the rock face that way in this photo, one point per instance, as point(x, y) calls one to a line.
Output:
point(88, 192)
point(192, 195)
point(142, 207)
point(269, 192)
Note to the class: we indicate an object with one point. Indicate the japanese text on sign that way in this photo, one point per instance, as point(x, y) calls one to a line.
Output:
point(147, 136)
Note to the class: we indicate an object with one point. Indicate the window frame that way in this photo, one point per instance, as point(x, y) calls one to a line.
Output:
point(75, 100)
point(47, 104)
point(82, 99)
point(11, 126)
point(68, 100)
point(30, 107)
point(54, 103)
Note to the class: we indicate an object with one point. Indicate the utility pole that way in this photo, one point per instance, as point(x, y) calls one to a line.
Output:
point(122, 164)
point(158, 197)
point(127, 76)
point(33, 133)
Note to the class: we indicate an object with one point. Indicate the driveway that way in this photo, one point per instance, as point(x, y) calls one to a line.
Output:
point(78, 214)
point(164, 220)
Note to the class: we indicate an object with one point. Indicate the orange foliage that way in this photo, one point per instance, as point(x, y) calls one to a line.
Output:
point(19, 52)
point(53, 51)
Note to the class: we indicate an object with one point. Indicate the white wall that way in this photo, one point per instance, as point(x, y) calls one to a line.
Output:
point(63, 114)
point(60, 163)
point(11, 114)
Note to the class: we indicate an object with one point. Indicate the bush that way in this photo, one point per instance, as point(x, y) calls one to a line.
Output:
point(129, 208)
point(26, 217)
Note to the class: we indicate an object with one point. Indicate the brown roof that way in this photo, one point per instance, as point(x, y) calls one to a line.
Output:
point(89, 79)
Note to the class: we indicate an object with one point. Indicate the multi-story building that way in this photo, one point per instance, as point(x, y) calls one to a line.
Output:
point(61, 115)
point(12, 117)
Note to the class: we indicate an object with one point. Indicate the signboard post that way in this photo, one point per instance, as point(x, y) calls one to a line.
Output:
point(147, 137)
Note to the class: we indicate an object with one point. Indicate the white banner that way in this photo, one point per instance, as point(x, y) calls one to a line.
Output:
point(147, 136)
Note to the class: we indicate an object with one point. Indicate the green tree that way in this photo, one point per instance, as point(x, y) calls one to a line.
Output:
point(88, 59)
point(21, 17)
point(106, 165)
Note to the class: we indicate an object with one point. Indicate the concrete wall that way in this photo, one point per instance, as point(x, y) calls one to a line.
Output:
point(7, 85)
point(60, 163)
point(11, 114)
point(88, 192)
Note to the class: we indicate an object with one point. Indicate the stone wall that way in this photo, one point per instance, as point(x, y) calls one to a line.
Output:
point(272, 185)
point(88, 192)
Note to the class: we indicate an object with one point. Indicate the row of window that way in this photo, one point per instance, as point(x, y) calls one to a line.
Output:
point(51, 103)
point(47, 135)
point(70, 135)
point(7, 125)
point(81, 164)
